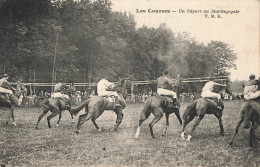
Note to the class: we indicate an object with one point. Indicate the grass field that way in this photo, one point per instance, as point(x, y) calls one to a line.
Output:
point(60, 146)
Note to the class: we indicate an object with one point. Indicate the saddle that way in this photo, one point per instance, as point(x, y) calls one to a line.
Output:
point(170, 100)
point(111, 99)
point(213, 101)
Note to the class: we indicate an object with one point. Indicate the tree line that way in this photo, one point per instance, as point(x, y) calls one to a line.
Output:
point(87, 40)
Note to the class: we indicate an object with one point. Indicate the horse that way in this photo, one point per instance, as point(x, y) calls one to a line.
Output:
point(95, 106)
point(199, 108)
point(13, 101)
point(56, 106)
point(158, 105)
point(250, 111)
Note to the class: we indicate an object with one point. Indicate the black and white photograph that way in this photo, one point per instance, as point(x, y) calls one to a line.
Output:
point(129, 83)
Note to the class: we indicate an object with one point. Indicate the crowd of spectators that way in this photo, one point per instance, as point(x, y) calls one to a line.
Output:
point(36, 99)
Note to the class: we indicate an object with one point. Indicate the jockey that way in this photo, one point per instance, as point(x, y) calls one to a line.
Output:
point(207, 91)
point(5, 84)
point(251, 89)
point(59, 90)
point(164, 83)
point(103, 87)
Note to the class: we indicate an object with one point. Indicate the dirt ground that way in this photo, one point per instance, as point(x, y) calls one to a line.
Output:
point(60, 146)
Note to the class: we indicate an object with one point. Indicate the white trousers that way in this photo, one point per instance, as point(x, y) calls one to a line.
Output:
point(166, 92)
point(60, 95)
point(208, 93)
point(107, 93)
point(7, 91)
point(252, 95)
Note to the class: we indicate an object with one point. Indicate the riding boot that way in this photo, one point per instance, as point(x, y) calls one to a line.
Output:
point(174, 100)
point(218, 105)
point(68, 103)
point(9, 97)
point(117, 102)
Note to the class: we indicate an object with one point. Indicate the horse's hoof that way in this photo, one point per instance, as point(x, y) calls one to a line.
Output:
point(72, 121)
point(36, 128)
point(189, 137)
point(77, 132)
point(57, 125)
point(229, 146)
point(14, 124)
point(99, 130)
point(164, 134)
point(183, 136)
point(222, 133)
point(135, 136)
point(6, 122)
point(153, 137)
point(49, 126)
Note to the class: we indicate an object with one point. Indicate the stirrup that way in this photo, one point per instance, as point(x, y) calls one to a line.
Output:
point(118, 105)
point(218, 107)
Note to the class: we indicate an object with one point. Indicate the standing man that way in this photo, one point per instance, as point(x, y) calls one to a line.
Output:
point(207, 91)
point(164, 84)
point(4, 84)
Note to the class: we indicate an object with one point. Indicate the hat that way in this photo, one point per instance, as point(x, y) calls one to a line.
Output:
point(252, 76)
point(6, 75)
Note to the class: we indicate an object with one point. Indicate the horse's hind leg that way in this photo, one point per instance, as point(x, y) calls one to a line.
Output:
point(252, 132)
point(157, 116)
point(59, 119)
point(72, 119)
point(119, 118)
point(44, 112)
point(177, 113)
point(95, 124)
point(199, 118)
point(186, 122)
point(50, 117)
point(219, 115)
point(240, 121)
point(82, 119)
point(145, 113)
point(167, 124)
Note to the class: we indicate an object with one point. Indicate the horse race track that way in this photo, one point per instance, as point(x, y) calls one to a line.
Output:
point(60, 146)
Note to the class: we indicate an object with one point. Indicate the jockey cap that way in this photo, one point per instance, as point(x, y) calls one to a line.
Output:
point(6, 75)
point(252, 76)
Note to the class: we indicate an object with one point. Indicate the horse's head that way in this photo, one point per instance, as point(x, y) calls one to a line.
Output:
point(225, 89)
point(123, 85)
point(71, 90)
point(20, 89)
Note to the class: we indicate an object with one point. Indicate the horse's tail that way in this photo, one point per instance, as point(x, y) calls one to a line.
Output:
point(246, 112)
point(77, 109)
point(191, 108)
point(146, 107)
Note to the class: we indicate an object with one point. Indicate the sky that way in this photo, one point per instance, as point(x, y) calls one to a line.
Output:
point(240, 30)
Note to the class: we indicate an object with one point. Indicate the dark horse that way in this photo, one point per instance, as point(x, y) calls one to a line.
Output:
point(250, 111)
point(56, 106)
point(158, 105)
point(13, 101)
point(95, 106)
point(199, 108)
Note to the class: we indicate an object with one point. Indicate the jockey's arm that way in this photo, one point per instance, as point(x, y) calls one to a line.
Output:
point(217, 84)
point(6, 84)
